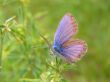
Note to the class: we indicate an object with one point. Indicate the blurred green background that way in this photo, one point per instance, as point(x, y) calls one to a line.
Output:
point(24, 55)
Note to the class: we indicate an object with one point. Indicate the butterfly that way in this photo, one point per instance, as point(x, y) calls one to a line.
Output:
point(64, 45)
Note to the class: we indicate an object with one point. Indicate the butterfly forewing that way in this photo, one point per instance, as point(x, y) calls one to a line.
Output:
point(66, 29)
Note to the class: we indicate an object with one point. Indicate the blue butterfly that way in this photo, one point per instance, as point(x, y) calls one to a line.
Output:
point(64, 45)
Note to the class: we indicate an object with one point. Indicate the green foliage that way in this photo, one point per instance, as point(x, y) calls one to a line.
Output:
point(24, 55)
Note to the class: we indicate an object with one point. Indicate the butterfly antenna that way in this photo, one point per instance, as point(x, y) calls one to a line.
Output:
point(49, 45)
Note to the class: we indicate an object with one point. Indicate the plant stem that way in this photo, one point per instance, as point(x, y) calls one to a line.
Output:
point(1, 50)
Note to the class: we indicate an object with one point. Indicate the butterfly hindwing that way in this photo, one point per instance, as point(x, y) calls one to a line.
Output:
point(74, 50)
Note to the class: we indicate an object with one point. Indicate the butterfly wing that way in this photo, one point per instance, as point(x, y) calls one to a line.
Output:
point(66, 29)
point(74, 50)
point(69, 49)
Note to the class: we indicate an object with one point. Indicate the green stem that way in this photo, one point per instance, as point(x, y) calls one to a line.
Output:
point(1, 50)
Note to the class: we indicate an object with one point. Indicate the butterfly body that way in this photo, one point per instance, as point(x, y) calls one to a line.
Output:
point(57, 47)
